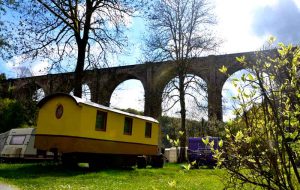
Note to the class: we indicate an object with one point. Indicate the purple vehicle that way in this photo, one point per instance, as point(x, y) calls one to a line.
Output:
point(201, 153)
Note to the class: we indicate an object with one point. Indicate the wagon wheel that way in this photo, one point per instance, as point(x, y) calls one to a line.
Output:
point(69, 161)
point(96, 165)
point(141, 162)
point(157, 161)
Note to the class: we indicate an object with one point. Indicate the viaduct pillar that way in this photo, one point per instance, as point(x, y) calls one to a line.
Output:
point(215, 102)
point(152, 104)
point(99, 93)
point(153, 98)
point(214, 91)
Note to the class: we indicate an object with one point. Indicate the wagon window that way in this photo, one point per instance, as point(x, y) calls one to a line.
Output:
point(128, 126)
point(101, 121)
point(148, 130)
point(17, 140)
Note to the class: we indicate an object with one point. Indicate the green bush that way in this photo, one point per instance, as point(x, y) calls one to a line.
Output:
point(263, 141)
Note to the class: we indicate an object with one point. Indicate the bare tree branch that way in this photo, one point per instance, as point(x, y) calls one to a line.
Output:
point(66, 32)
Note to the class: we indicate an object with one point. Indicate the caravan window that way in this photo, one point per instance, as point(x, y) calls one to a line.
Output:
point(148, 130)
point(128, 126)
point(101, 119)
point(17, 140)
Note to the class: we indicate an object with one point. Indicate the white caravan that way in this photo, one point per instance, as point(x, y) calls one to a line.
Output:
point(18, 144)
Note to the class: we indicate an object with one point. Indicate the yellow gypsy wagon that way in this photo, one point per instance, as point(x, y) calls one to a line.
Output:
point(82, 131)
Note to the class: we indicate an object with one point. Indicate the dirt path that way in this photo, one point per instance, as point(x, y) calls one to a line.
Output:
point(7, 187)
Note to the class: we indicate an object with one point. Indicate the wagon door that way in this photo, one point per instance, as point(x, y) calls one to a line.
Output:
point(3, 138)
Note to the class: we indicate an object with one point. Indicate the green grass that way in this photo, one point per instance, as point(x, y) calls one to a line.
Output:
point(52, 176)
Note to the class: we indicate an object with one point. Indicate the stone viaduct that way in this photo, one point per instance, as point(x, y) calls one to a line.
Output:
point(153, 76)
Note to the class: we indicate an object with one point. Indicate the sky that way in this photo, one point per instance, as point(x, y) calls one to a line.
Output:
point(243, 25)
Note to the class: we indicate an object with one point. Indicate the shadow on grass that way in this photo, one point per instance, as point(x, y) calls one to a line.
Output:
point(47, 169)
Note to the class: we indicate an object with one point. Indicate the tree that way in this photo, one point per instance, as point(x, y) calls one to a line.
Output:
point(183, 28)
point(2, 78)
point(263, 142)
point(68, 32)
point(2, 42)
point(12, 114)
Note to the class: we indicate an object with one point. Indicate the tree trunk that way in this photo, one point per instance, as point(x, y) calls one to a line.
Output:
point(78, 74)
point(82, 44)
point(182, 157)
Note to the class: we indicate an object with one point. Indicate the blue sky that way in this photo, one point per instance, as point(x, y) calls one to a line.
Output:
point(243, 25)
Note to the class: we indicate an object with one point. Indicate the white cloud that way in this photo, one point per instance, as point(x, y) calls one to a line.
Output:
point(14, 62)
point(297, 2)
point(235, 18)
point(280, 20)
point(40, 68)
point(19, 68)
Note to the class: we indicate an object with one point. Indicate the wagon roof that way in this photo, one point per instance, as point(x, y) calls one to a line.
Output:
point(21, 131)
point(85, 102)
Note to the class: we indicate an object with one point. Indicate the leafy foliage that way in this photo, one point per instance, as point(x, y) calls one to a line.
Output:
point(12, 114)
point(262, 144)
point(15, 113)
point(2, 78)
point(2, 11)
point(133, 111)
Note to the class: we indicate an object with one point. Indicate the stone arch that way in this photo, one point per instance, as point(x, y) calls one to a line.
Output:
point(154, 77)
point(39, 94)
point(102, 94)
point(86, 91)
point(120, 78)
point(27, 90)
point(195, 96)
point(228, 91)
point(163, 76)
point(234, 66)
point(161, 79)
point(168, 72)
point(223, 78)
point(62, 83)
point(136, 100)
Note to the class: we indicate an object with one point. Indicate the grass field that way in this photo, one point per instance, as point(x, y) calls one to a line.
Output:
point(52, 176)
